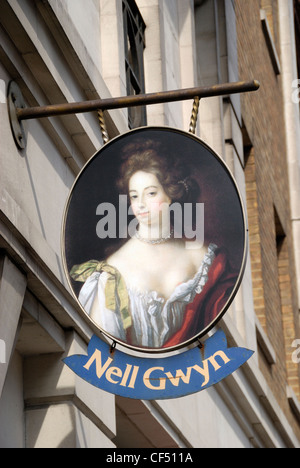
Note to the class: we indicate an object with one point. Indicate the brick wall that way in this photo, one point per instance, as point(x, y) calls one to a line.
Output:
point(273, 270)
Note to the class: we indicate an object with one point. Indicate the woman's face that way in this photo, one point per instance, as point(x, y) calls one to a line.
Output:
point(148, 198)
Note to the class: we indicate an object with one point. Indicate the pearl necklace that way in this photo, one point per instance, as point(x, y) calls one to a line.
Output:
point(161, 240)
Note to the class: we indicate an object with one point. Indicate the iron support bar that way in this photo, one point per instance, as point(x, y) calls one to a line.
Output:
point(27, 113)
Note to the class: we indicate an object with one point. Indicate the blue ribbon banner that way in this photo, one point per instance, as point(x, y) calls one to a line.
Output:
point(158, 378)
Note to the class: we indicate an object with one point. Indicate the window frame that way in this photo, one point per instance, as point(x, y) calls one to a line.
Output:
point(134, 45)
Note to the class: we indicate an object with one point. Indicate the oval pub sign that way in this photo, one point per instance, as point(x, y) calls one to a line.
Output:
point(154, 247)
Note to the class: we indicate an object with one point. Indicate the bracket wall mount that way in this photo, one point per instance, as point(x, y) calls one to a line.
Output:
point(16, 101)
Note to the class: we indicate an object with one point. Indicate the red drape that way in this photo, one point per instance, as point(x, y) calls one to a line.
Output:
point(209, 303)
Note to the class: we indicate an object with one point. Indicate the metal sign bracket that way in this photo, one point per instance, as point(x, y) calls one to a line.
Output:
point(18, 112)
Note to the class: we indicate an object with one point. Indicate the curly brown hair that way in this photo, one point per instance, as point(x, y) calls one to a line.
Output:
point(171, 170)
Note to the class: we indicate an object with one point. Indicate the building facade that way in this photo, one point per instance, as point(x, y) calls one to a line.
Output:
point(63, 51)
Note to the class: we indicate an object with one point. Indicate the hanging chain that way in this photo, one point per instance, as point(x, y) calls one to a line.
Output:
point(103, 128)
point(194, 116)
point(192, 127)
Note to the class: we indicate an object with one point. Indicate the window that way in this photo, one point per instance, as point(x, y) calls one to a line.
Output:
point(134, 40)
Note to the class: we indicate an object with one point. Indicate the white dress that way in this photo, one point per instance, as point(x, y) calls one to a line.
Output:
point(154, 319)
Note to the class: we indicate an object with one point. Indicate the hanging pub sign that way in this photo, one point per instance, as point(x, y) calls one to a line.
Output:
point(154, 248)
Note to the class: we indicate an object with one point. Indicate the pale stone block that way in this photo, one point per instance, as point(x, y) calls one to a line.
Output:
point(211, 128)
point(48, 380)
point(12, 433)
point(81, 25)
point(62, 426)
point(146, 3)
point(232, 130)
point(12, 290)
point(108, 7)
point(205, 420)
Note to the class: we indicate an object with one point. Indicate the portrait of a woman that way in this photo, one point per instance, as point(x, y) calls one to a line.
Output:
point(158, 289)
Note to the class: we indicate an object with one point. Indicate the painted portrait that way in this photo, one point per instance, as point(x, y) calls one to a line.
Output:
point(154, 239)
